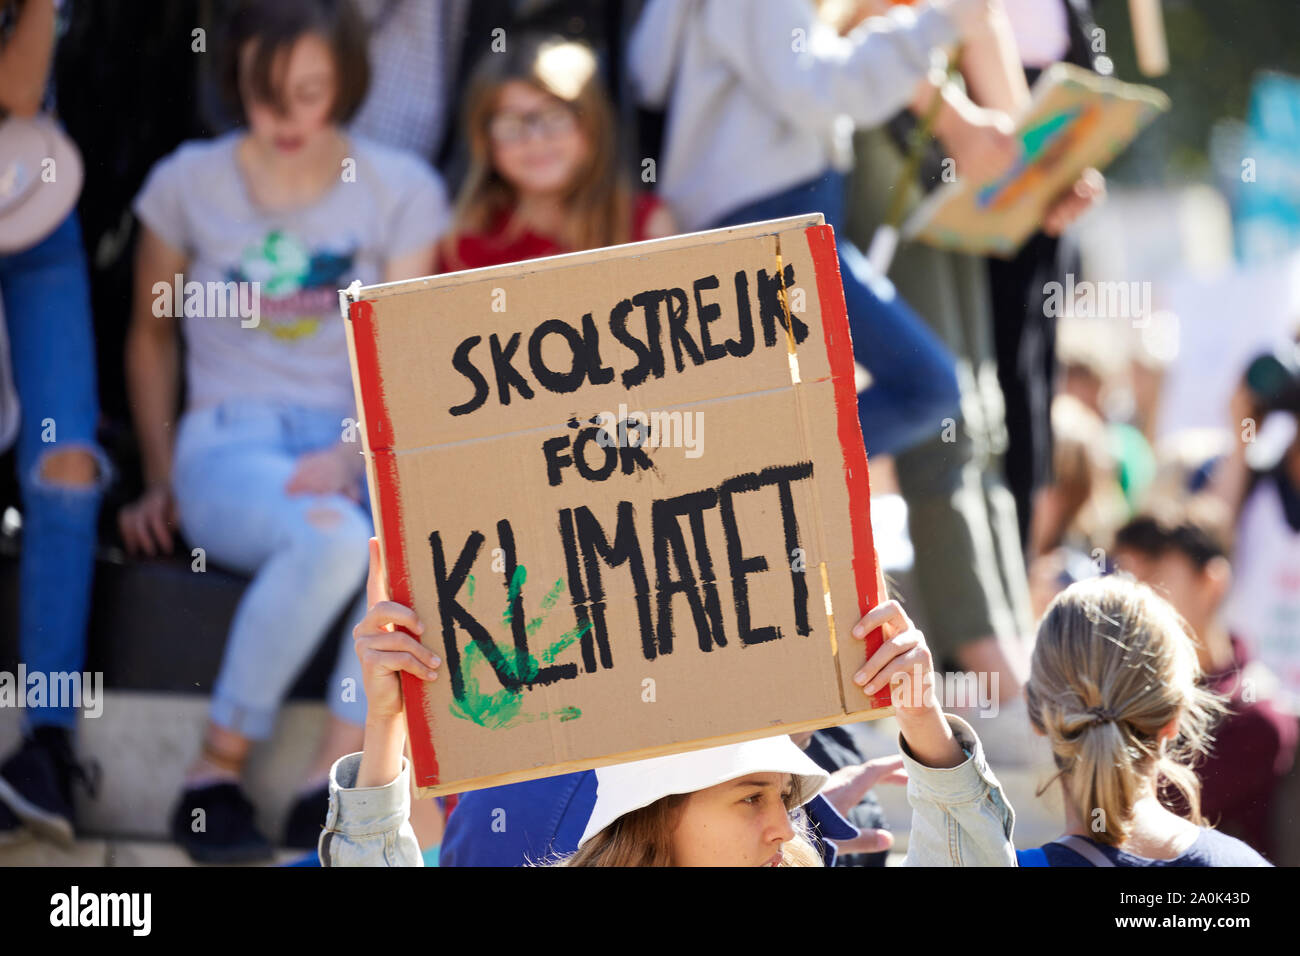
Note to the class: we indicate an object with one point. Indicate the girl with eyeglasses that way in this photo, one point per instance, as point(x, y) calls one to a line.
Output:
point(544, 177)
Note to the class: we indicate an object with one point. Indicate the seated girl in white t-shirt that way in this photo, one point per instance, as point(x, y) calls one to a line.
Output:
point(245, 241)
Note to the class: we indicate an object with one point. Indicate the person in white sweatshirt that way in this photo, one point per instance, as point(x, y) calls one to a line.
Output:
point(762, 95)
point(762, 98)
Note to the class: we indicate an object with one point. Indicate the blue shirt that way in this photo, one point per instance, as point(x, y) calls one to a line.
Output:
point(1211, 848)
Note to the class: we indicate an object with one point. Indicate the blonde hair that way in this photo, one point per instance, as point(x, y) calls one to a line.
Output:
point(644, 838)
point(1112, 666)
point(599, 201)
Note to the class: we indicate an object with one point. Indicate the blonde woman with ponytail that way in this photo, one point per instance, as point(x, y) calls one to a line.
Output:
point(1115, 687)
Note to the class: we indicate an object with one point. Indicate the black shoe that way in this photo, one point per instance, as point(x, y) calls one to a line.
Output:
point(36, 783)
point(307, 819)
point(224, 832)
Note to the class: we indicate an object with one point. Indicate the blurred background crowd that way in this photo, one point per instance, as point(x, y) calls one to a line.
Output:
point(185, 511)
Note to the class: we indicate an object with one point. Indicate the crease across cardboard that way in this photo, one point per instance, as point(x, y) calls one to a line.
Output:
point(550, 427)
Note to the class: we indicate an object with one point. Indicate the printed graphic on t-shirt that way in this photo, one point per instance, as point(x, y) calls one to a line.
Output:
point(299, 286)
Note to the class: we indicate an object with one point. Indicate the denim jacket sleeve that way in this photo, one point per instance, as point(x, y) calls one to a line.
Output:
point(960, 816)
point(368, 826)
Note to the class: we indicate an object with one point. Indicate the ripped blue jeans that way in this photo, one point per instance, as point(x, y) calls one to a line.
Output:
point(46, 296)
point(306, 553)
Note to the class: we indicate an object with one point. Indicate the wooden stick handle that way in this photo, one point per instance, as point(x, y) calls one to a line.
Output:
point(1149, 37)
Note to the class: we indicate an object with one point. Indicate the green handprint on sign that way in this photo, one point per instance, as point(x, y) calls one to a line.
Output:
point(504, 708)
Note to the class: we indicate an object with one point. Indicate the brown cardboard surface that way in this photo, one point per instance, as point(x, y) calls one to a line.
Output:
point(590, 602)
point(1077, 119)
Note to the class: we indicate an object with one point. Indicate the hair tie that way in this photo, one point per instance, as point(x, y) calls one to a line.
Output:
point(1102, 714)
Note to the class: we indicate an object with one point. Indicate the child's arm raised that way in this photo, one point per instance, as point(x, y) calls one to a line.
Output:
point(370, 796)
point(960, 816)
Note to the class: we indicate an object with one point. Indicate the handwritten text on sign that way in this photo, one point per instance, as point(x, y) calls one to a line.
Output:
point(562, 554)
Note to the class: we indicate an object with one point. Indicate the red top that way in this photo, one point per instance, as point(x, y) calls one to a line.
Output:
point(1253, 750)
point(494, 248)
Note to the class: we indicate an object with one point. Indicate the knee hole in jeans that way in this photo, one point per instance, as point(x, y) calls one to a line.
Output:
point(335, 533)
point(324, 517)
point(72, 467)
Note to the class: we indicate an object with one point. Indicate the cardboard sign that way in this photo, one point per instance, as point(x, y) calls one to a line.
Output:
point(1076, 119)
point(626, 493)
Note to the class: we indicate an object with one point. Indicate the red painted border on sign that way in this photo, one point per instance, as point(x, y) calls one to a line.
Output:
point(379, 435)
point(839, 353)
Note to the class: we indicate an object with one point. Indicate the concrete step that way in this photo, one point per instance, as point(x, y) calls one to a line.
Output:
point(143, 743)
point(94, 852)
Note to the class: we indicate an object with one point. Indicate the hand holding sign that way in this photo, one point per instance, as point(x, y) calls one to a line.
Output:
point(384, 651)
point(903, 664)
point(1076, 124)
point(1086, 191)
point(899, 661)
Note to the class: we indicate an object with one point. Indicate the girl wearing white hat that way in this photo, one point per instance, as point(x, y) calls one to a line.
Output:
point(722, 806)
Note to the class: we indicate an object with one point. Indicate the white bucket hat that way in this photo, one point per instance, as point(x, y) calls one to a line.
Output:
point(625, 787)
